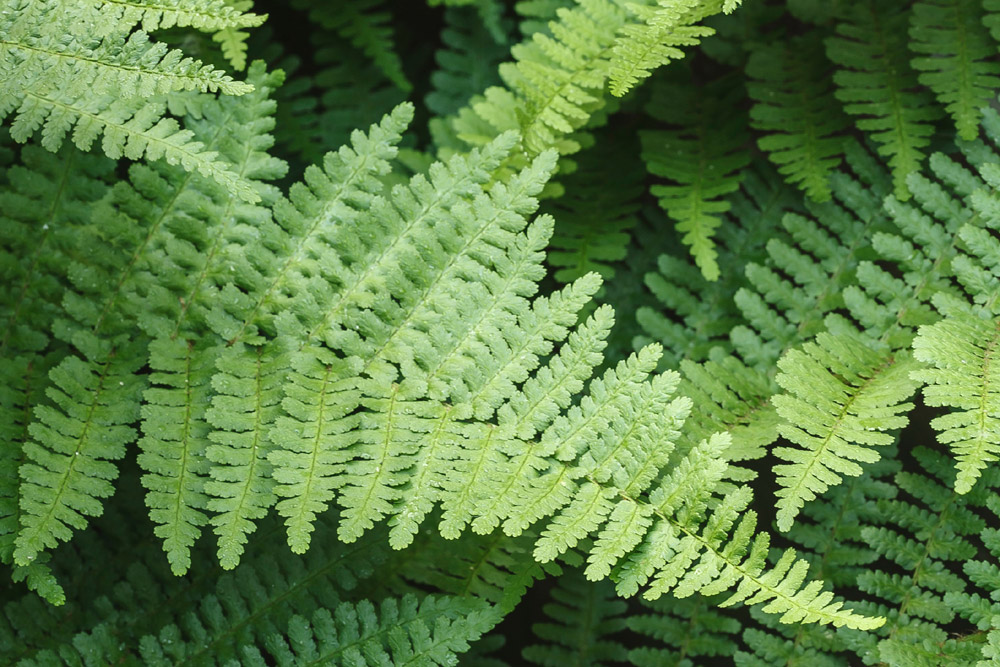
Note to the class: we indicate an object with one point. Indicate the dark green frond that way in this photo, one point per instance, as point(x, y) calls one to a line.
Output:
point(795, 106)
point(877, 84)
point(582, 621)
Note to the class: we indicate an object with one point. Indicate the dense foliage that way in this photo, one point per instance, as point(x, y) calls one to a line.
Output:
point(555, 332)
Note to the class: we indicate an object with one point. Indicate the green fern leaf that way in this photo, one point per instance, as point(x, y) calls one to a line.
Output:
point(704, 158)
point(954, 58)
point(581, 621)
point(68, 467)
point(173, 445)
point(877, 84)
point(110, 80)
point(842, 395)
point(243, 410)
point(366, 27)
point(657, 39)
point(959, 350)
point(205, 15)
point(796, 107)
point(431, 631)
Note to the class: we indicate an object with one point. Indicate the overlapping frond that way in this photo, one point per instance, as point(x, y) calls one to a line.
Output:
point(923, 539)
point(594, 216)
point(658, 36)
point(581, 621)
point(429, 631)
point(81, 67)
point(694, 315)
point(681, 631)
point(787, 297)
point(554, 85)
point(365, 24)
point(467, 62)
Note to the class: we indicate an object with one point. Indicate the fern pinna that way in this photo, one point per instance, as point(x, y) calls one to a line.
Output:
point(469, 332)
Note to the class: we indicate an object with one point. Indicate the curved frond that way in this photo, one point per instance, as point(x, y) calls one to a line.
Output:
point(111, 81)
point(658, 37)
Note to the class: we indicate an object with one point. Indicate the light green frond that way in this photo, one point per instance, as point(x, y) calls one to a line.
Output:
point(205, 15)
point(68, 467)
point(66, 66)
point(243, 410)
point(962, 376)
point(842, 395)
point(173, 445)
point(657, 37)
point(554, 84)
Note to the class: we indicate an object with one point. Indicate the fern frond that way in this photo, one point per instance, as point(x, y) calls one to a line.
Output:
point(244, 407)
point(828, 535)
point(466, 62)
point(794, 104)
point(658, 37)
point(496, 567)
point(47, 195)
point(109, 80)
point(789, 296)
point(554, 85)
point(923, 536)
point(960, 350)
point(704, 158)
point(594, 216)
point(366, 26)
point(116, 289)
point(842, 395)
point(877, 84)
point(955, 58)
point(430, 631)
point(582, 619)
point(732, 398)
point(68, 467)
point(698, 315)
point(173, 445)
point(690, 628)
point(204, 15)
